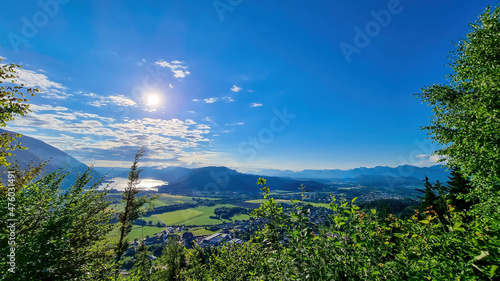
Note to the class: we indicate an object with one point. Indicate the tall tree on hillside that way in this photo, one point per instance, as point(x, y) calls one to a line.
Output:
point(466, 112)
point(429, 197)
point(433, 198)
point(466, 123)
point(132, 210)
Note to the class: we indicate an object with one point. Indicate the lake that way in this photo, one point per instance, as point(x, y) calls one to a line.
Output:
point(145, 184)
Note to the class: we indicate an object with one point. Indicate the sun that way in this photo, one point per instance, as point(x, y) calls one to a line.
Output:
point(153, 100)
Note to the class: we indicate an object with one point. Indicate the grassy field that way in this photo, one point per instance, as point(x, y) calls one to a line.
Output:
point(199, 216)
point(164, 200)
point(198, 231)
point(194, 216)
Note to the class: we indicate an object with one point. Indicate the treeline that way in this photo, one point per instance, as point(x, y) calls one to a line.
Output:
point(170, 208)
point(401, 208)
point(228, 212)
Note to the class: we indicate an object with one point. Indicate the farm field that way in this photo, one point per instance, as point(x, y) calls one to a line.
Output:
point(197, 231)
point(194, 216)
point(136, 232)
point(165, 200)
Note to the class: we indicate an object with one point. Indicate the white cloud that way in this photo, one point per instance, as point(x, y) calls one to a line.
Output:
point(91, 137)
point(426, 160)
point(118, 100)
point(236, 88)
point(170, 85)
point(179, 70)
point(211, 100)
point(196, 100)
point(228, 99)
point(255, 104)
point(234, 124)
point(436, 158)
point(189, 122)
point(48, 88)
point(97, 103)
point(2, 58)
point(46, 107)
point(121, 100)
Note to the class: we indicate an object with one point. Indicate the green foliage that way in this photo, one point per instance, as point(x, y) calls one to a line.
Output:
point(459, 191)
point(12, 103)
point(60, 234)
point(132, 210)
point(172, 261)
point(142, 264)
point(227, 212)
point(434, 199)
point(466, 122)
point(401, 208)
point(466, 118)
point(357, 246)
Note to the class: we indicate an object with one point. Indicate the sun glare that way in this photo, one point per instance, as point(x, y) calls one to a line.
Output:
point(153, 100)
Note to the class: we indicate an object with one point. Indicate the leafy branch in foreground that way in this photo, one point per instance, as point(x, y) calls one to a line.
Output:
point(60, 234)
point(356, 246)
point(12, 103)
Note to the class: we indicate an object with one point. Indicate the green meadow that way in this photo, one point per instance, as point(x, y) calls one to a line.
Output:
point(195, 216)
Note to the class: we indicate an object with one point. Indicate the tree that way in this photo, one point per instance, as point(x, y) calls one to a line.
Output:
point(172, 261)
point(458, 190)
point(132, 210)
point(60, 234)
point(188, 238)
point(429, 197)
point(12, 104)
point(142, 264)
point(466, 123)
point(466, 112)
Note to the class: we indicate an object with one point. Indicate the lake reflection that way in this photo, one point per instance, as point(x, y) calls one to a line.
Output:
point(145, 184)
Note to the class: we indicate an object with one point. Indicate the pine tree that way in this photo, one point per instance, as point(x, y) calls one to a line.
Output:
point(429, 199)
point(459, 188)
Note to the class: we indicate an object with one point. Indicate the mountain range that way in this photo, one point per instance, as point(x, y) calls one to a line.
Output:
point(38, 151)
point(224, 180)
point(436, 172)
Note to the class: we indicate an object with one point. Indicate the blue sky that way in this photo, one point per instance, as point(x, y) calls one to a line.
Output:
point(244, 84)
